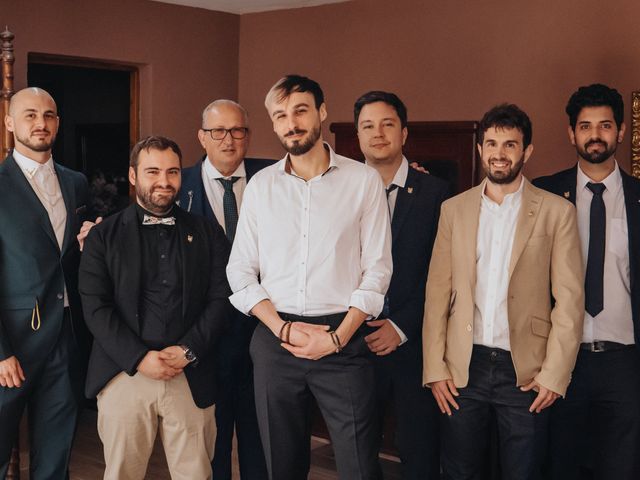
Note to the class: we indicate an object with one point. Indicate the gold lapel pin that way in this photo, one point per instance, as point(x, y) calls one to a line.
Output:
point(410, 190)
point(189, 238)
point(566, 194)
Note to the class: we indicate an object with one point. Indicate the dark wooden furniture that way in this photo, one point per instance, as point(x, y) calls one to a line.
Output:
point(446, 149)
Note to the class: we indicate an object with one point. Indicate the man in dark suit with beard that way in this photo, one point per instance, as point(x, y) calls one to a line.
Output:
point(598, 423)
point(154, 294)
point(42, 337)
point(396, 339)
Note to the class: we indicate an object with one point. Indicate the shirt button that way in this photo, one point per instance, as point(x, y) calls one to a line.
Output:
point(162, 256)
point(164, 282)
point(59, 296)
point(469, 328)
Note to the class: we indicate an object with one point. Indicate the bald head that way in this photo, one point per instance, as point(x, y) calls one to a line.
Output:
point(224, 104)
point(33, 120)
point(29, 93)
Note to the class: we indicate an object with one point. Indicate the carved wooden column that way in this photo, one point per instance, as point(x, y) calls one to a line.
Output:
point(7, 58)
point(635, 134)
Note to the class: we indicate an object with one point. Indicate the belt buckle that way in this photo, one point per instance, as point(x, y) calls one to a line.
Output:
point(597, 347)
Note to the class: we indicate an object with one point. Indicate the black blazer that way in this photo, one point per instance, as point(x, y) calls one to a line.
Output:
point(564, 184)
point(33, 268)
point(193, 196)
point(110, 290)
point(413, 230)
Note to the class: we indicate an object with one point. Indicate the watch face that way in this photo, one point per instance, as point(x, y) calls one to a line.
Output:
point(189, 355)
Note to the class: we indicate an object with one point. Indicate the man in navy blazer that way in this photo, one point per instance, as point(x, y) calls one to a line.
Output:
point(396, 339)
point(213, 188)
point(598, 423)
point(43, 340)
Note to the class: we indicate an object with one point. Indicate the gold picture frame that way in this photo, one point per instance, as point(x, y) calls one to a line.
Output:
point(635, 134)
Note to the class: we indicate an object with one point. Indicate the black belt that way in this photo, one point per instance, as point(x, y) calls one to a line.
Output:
point(603, 346)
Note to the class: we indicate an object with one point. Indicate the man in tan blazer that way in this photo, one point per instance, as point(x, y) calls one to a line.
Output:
point(504, 306)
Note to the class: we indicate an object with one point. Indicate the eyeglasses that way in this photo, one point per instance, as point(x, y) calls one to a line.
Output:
point(237, 133)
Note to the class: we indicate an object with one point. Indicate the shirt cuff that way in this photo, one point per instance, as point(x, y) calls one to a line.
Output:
point(369, 302)
point(403, 337)
point(247, 298)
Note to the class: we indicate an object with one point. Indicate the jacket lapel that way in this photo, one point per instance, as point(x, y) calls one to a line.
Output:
point(527, 217)
point(69, 197)
point(469, 231)
point(131, 254)
point(632, 205)
point(404, 202)
point(30, 198)
point(186, 239)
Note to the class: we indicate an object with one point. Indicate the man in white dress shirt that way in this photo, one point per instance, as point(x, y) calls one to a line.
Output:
point(312, 260)
point(42, 334)
point(598, 425)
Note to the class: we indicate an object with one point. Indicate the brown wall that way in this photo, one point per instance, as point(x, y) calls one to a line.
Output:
point(447, 60)
point(187, 56)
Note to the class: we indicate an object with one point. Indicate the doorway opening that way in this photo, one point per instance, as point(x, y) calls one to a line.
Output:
point(98, 105)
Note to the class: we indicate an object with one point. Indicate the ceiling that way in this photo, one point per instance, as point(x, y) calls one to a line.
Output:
point(249, 6)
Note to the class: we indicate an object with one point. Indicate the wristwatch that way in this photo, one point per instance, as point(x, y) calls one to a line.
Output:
point(188, 354)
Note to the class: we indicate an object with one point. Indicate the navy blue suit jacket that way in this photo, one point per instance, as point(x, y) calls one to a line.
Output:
point(564, 184)
point(413, 231)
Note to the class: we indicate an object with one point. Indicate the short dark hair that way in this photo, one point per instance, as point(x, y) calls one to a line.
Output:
point(153, 142)
point(380, 96)
point(294, 83)
point(596, 95)
point(506, 115)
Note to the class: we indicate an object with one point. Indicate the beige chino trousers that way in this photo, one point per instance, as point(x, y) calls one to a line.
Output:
point(131, 410)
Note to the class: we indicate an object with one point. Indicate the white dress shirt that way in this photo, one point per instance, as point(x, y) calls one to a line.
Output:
point(44, 181)
point(614, 323)
point(313, 247)
point(399, 179)
point(215, 190)
point(496, 231)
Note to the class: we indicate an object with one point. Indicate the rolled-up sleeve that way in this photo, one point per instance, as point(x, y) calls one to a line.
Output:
point(375, 259)
point(243, 269)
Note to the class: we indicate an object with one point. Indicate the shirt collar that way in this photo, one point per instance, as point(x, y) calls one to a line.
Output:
point(29, 166)
point(613, 181)
point(213, 173)
point(333, 160)
point(141, 212)
point(510, 199)
point(400, 178)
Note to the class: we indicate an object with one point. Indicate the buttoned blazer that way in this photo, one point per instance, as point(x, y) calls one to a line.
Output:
point(193, 196)
point(413, 230)
point(564, 184)
point(110, 271)
point(34, 270)
point(545, 292)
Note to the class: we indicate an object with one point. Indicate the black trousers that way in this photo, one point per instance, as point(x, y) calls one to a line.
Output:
point(465, 434)
point(343, 386)
point(51, 396)
point(235, 405)
point(399, 388)
point(595, 430)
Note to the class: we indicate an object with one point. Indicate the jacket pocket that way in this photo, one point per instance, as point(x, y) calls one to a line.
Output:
point(540, 327)
point(18, 302)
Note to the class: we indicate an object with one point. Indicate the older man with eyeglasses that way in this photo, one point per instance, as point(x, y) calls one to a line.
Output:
point(214, 188)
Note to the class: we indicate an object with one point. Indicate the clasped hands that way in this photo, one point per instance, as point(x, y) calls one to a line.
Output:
point(310, 341)
point(444, 391)
point(164, 364)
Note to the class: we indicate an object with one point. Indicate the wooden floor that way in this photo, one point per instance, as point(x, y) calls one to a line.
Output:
point(87, 461)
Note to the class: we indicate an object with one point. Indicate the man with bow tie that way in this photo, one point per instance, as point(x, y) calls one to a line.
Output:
point(41, 327)
point(154, 294)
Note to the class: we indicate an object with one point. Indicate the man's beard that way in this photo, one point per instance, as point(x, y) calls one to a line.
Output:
point(159, 206)
point(596, 157)
point(36, 147)
point(297, 148)
point(504, 178)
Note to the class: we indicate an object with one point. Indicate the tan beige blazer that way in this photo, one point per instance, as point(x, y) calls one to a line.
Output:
point(545, 263)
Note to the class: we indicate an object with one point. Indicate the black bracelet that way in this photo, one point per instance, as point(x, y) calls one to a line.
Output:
point(336, 341)
point(282, 331)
